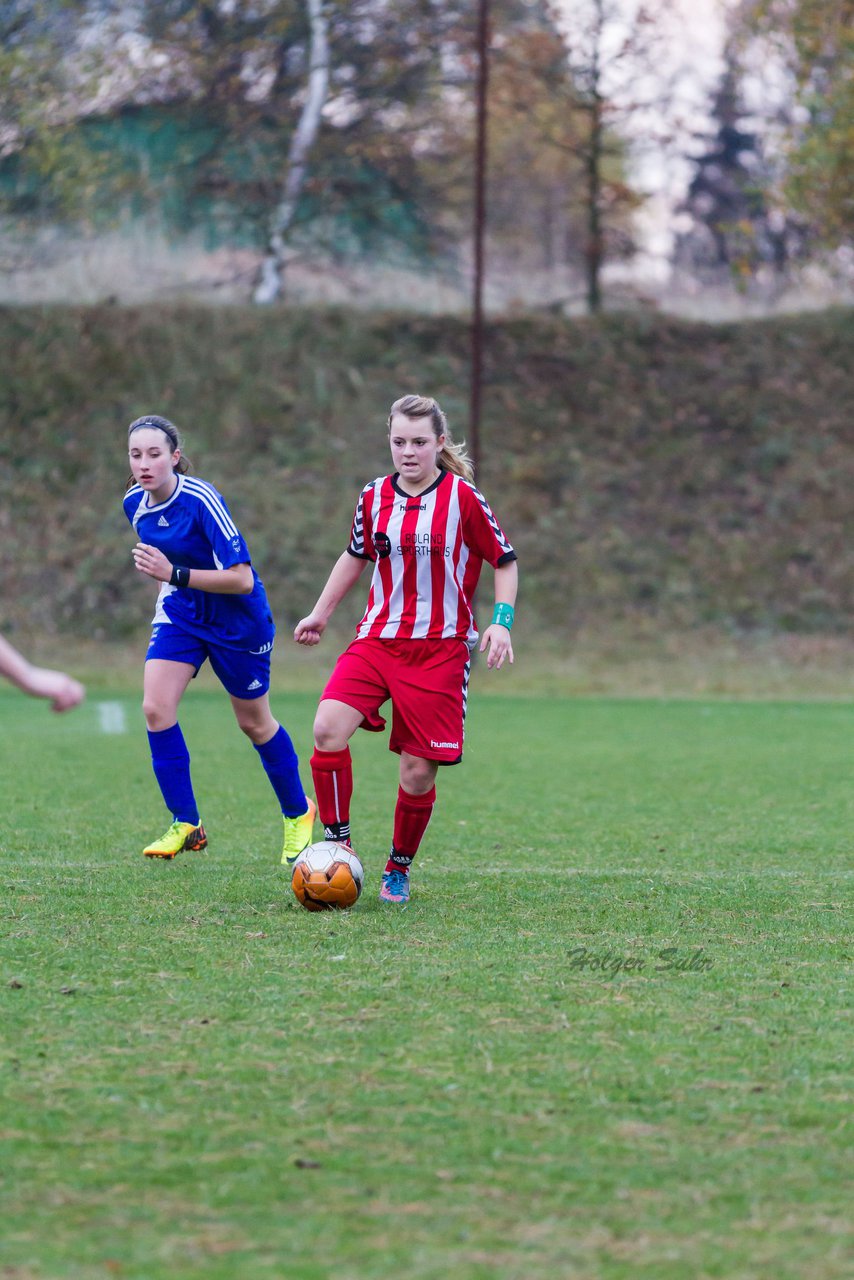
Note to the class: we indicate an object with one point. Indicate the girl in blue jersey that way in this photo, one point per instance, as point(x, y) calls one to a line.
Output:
point(212, 605)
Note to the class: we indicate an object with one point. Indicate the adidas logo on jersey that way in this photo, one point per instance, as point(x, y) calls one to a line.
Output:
point(256, 684)
point(163, 523)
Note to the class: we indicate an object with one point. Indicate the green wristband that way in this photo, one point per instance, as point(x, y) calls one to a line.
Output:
point(503, 614)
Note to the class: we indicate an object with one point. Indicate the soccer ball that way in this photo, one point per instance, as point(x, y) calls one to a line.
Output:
point(327, 876)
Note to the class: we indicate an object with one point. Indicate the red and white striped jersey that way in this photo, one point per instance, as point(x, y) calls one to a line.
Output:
point(427, 552)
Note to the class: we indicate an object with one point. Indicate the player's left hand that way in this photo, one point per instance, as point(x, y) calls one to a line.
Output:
point(497, 640)
point(152, 562)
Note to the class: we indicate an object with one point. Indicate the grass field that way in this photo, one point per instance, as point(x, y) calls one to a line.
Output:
point(607, 1038)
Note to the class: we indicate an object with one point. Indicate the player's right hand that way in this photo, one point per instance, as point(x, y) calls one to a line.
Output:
point(62, 691)
point(309, 630)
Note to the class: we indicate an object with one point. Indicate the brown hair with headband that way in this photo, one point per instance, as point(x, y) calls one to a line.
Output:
point(452, 457)
point(170, 431)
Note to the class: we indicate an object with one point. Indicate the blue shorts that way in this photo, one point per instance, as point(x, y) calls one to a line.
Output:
point(242, 674)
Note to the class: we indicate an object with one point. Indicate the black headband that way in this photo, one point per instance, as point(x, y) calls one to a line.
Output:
point(160, 424)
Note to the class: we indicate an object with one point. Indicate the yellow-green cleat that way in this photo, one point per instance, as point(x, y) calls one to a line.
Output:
point(180, 837)
point(298, 833)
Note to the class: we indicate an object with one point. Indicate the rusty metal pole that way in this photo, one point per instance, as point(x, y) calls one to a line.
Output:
point(479, 230)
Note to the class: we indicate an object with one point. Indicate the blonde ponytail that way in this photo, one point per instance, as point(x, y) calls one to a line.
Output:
point(453, 458)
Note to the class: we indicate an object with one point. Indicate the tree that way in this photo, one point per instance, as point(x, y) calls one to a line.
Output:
point(45, 84)
point(813, 41)
point(269, 284)
point(617, 69)
point(537, 137)
point(540, 144)
point(389, 120)
point(345, 129)
point(350, 83)
point(735, 227)
point(568, 99)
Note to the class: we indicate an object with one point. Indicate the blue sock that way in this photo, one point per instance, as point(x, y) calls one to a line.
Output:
point(282, 767)
point(171, 762)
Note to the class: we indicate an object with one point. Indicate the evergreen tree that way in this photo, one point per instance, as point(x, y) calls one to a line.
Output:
point(737, 229)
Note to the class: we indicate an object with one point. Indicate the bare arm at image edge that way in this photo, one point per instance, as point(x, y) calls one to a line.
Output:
point(62, 691)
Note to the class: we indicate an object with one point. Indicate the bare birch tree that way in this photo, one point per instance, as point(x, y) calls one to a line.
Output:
point(621, 87)
point(270, 284)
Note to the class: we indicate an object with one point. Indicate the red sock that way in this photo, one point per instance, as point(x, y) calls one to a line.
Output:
point(332, 772)
point(411, 816)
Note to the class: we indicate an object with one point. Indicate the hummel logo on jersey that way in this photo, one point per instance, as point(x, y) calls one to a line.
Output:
point(163, 523)
point(256, 684)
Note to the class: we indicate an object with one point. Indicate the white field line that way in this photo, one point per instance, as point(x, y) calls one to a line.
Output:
point(660, 873)
point(111, 717)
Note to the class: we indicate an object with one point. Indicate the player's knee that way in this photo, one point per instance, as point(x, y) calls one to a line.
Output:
point(247, 726)
point(158, 715)
point(328, 735)
point(416, 775)
point(257, 725)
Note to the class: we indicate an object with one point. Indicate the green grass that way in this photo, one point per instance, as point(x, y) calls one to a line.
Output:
point(201, 1080)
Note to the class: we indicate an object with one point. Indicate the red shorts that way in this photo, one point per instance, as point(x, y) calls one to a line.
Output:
point(427, 681)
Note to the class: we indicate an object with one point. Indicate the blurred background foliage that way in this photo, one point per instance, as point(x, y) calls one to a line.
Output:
point(179, 114)
point(654, 475)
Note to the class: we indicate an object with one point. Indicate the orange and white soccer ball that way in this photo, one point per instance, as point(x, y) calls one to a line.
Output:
point(327, 877)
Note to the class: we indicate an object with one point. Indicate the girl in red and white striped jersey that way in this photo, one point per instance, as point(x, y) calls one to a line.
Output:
point(426, 530)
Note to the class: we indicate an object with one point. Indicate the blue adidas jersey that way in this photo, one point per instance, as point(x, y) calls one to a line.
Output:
point(194, 528)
